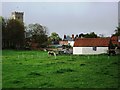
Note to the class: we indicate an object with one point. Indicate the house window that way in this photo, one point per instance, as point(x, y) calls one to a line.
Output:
point(95, 48)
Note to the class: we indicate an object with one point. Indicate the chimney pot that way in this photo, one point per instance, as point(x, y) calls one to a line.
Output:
point(72, 36)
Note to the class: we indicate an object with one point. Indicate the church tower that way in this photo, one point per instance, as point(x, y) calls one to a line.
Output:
point(18, 15)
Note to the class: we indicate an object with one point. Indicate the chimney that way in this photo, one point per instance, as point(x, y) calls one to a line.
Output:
point(64, 36)
point(72, 36)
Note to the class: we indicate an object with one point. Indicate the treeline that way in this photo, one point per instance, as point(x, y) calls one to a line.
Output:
point(88, 35)
point(94, 35)
point(12, 33)
point(17, 36)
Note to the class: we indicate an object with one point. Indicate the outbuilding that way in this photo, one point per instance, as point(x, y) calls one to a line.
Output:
point(86, 46)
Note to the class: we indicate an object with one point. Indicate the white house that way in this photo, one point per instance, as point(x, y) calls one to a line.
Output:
point(85, 46)
point(71, 43)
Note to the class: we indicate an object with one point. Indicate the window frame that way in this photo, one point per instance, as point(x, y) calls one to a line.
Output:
point(94, 48)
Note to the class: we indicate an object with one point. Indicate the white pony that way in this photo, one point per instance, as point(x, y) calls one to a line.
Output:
point(52, 53)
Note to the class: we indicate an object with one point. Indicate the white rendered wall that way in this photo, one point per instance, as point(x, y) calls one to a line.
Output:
point(77, 50)
point(71, 43)
point(89, 50)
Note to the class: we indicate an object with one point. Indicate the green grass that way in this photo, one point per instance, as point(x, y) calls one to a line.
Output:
point(34, 69)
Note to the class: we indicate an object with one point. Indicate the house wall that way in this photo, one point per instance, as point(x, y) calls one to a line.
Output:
point(89, 50)
point(71, 43)
point(63, 42)
point(77, 50)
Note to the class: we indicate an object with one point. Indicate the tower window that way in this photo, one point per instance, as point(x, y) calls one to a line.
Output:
point(18, 17)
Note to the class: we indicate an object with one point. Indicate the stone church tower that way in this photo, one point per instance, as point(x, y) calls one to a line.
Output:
point(17, 15)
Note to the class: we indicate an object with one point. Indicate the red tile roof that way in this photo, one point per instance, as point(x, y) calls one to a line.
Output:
point(114, 40)
point(91, 42)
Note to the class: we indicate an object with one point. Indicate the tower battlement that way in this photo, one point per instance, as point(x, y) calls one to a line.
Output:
point(17, 15)
point(18, 12)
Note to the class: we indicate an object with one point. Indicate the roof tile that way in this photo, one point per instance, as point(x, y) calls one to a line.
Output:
point(91, 42)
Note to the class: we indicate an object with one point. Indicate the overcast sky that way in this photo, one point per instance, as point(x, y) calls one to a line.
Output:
point(68, 17)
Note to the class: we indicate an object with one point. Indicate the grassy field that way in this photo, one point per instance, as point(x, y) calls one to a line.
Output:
point(34, 69)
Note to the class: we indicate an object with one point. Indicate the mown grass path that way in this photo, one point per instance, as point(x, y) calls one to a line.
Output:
point(34, 69)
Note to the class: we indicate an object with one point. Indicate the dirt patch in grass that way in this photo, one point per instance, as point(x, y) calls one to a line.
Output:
point(19, 63)
point(116, 63)
point(33, 73)
point(82, 64)
point(106, 72)
point(16, 81)
point(49, 64)
point(46, 85)
point(71, 59)
point(65, 70)
point(61, 62)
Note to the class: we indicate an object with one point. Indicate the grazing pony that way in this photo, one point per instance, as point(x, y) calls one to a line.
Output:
point(52, 53)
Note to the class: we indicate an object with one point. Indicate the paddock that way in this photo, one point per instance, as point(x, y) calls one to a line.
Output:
point(34, 69)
